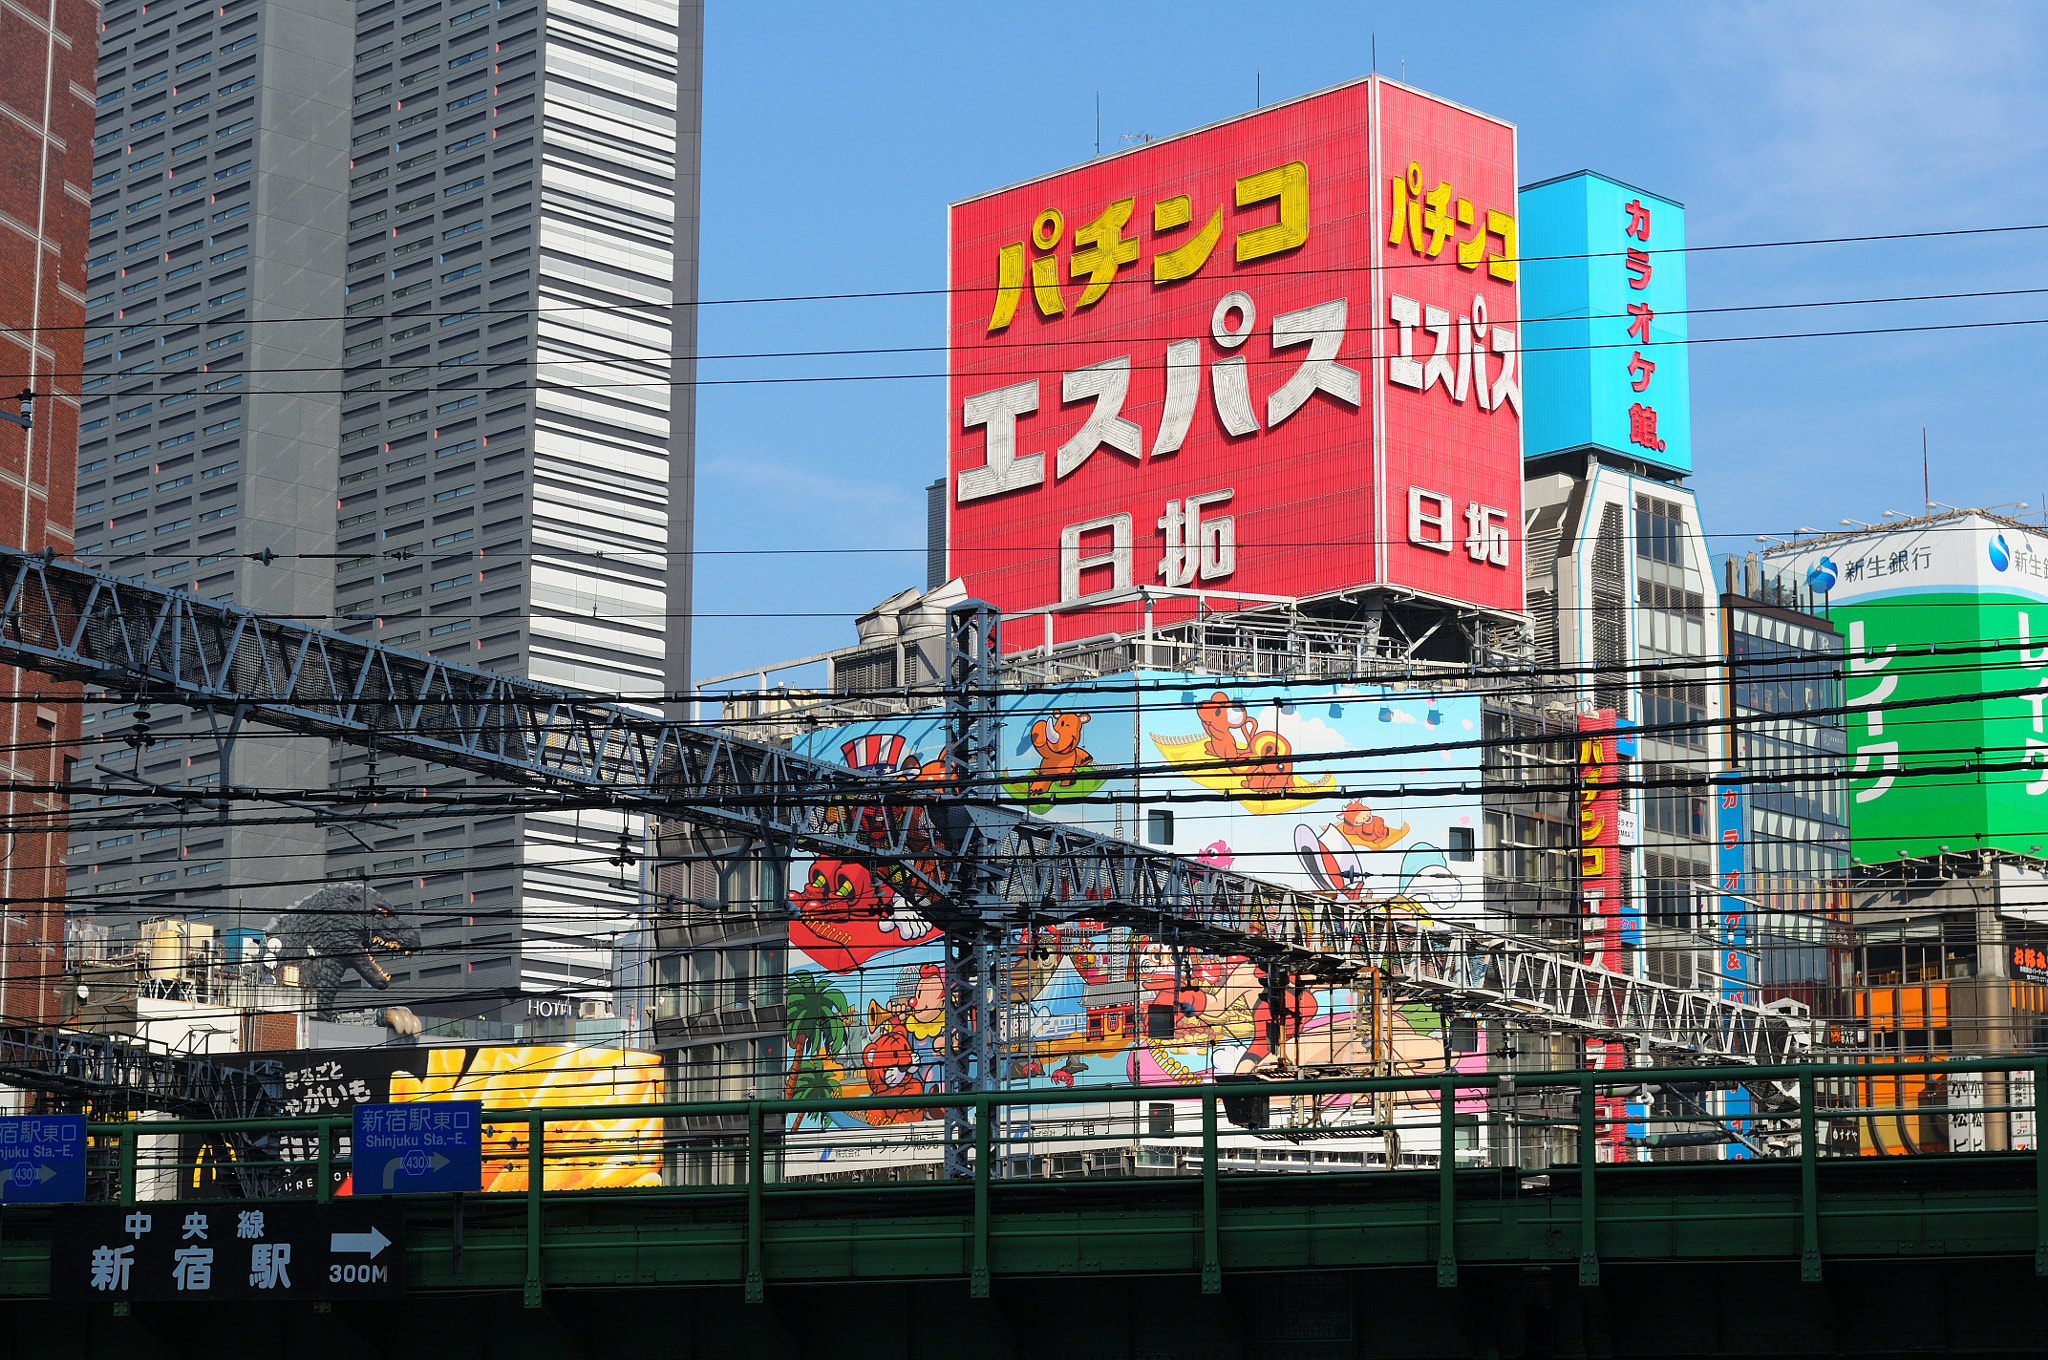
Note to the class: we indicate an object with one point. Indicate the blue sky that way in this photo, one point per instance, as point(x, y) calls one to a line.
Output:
point(834, 136)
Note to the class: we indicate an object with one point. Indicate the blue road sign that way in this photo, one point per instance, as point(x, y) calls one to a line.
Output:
point(429, 1147)
point(42, 1159)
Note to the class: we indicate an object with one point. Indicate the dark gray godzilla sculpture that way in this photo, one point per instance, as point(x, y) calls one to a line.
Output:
point(342, 928)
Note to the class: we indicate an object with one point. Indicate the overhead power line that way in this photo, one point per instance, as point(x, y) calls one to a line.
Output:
point(1478, 681)
point(1369, 266)
point(371, 367)
point(1277, 363)
point(1024, 548)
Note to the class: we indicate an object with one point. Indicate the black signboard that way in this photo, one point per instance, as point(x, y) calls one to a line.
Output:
point(171, 1249)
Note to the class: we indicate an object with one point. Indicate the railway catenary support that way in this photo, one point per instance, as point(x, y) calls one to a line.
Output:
point(126, 637)
point(77, 1069)
point(977, 985)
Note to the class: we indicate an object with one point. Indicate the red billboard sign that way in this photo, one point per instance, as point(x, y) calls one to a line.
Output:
point(1600, 887)
point(1276, 357)
point(1600, 838)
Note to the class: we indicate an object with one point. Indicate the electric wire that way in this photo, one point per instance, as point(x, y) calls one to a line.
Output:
point(1010, 345)
point(1277, 363)
point(991, 289)
point(1023, 549)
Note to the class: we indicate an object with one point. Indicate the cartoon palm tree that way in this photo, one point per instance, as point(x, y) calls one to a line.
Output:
point(817, 1029)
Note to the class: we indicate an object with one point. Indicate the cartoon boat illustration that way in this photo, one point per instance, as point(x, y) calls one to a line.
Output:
point(1234, 756)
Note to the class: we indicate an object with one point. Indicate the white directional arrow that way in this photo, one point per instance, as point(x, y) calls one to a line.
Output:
point(45, 1173)
point(366, 1244)
point(392, 1167)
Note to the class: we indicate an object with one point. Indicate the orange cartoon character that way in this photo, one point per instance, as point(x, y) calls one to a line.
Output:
point(1061, 757)
point(920, 1003)
point(1235, 739)
point(1362, 826)
point(1235, 756)
point(890, 1061)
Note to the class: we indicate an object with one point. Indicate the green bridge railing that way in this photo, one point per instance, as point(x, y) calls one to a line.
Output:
point(1570, 1124)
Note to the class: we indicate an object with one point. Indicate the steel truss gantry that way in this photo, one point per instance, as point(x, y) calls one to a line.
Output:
point(975, 867)
point(76, 1067)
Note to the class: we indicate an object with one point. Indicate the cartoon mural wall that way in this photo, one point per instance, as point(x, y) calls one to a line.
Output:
point(1362, 794)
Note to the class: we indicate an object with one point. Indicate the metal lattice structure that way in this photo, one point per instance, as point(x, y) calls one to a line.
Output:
point(77, 1068)
point(975, 867)
point(977, 985)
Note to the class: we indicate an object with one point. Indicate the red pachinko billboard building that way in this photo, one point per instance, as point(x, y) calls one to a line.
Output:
point(46, 83)
point(1275, 358)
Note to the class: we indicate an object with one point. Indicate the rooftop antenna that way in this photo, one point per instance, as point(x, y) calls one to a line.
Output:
point(1098, 122)
point(1926, 488)
point(1258, 88)
point(1375, 52)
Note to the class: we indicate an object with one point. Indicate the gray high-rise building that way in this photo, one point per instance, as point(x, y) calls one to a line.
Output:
point(209, 420)
point(507, 288)
point(517, 422)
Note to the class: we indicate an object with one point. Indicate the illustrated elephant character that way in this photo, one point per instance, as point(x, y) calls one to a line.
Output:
point(1331, 861)
point(342, 928)
point(1061, 757)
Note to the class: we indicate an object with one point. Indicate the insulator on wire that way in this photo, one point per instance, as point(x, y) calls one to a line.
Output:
point(624, 855)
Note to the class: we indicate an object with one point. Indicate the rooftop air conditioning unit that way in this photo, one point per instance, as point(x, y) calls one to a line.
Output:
point(593, 1010)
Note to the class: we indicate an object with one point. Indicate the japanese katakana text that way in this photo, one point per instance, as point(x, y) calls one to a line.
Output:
point(1179, 249)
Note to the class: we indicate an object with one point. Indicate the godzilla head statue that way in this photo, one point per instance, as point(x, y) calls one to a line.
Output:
point(343, 928)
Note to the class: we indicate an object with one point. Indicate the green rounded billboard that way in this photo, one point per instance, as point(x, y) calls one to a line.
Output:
point(1946, 626)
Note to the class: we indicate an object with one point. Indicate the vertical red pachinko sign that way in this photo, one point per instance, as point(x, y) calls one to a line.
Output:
point(1236, 363)
point(1448, 311)
point(1600, 887)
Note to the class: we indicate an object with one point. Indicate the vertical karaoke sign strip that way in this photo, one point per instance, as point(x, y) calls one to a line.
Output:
point(1739, 965)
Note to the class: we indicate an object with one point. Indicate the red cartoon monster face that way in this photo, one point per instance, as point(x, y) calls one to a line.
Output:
point(847, 916)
